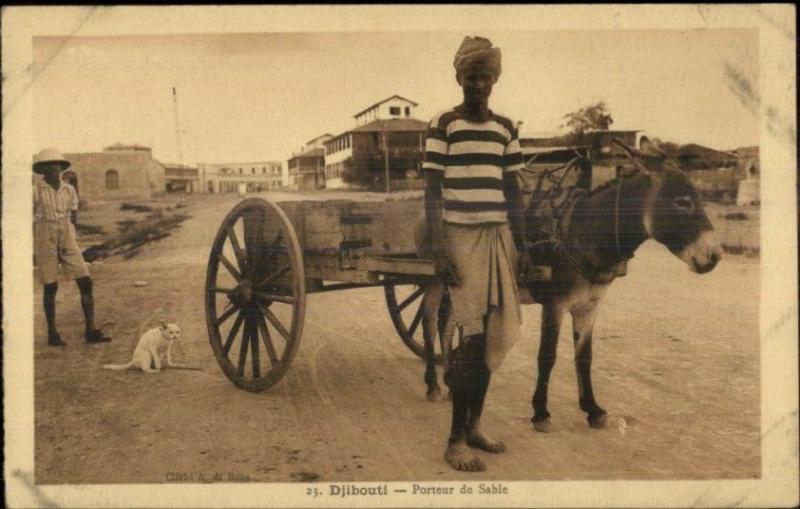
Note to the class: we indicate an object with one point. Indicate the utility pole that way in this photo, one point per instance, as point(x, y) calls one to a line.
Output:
point(385, 153)
point(177, 126)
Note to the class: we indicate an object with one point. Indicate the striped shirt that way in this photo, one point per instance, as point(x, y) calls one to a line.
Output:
point(474, 157)
point(53, 205)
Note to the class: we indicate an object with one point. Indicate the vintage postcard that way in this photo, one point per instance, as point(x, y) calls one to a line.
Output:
point(400, 256)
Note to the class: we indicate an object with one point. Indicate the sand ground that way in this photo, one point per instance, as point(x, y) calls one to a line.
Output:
point(676, 358)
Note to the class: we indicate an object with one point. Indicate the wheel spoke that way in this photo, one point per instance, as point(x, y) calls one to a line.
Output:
point(232, 334)
point(275, 275)
point(415, 323)
point(411, 298)
point(224, 316)
point(254, 350)
point(237, 249)
point(228, 265)
point(219, 289)
point(243, 348)
point(265, 336)
point(268, 253)
point(253, 234)
point(271, 297)
point(275, 244)
point(275, 322)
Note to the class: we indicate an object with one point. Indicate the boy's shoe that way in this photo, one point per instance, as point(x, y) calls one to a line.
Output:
point(55, 341)
point(97, 336)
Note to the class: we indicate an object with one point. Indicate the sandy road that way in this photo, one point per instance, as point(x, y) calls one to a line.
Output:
point(676, 357)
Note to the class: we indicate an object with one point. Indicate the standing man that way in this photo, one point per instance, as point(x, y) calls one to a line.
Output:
point(472, 156)
point(55, 211)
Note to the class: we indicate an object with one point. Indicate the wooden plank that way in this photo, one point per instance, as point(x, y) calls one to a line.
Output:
point(397, 265)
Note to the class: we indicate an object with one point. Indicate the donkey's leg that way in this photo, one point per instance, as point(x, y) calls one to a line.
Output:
point(431, 302)
point(582, 324)
point(552, 315)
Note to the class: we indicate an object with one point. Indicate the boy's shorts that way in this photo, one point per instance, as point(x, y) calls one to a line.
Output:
point(55, 242)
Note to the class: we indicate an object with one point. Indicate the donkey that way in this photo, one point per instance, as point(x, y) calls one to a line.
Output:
point(600, 231)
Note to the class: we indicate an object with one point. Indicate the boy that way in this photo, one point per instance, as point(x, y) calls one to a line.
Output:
point(55, 206)
point(472, 157)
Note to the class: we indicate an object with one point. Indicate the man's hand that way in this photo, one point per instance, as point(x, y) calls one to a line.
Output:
point(73, 216)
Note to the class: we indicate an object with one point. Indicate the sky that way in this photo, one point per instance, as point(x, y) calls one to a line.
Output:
point(253, 97)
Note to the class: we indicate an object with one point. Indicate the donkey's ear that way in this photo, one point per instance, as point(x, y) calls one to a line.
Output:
point(650, 149)
point(639, 158)
point(163, 325)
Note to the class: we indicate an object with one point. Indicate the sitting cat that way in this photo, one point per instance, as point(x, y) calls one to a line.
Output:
point(149, 349)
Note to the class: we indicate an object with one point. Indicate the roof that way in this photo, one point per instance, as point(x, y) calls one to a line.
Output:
point(312, 140)
point(314, 152)
point(176, 165)
point(393, 125)
point(381, 102)
point(122, 146)
point(696, 151)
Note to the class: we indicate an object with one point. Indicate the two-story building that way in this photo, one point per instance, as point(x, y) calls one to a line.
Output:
point(385, 133)
point(180, 178)
point(307, 167)
point(391, 107)
point(256, 176)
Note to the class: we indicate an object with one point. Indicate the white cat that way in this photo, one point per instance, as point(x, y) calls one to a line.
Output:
point(150, 347)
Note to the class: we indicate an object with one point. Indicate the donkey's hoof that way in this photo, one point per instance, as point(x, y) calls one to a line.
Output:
point(543, 425)
point(598, 420)
point(435, 395)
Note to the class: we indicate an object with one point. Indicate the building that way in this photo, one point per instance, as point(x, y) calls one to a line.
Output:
point(748, 168)
point(307, 167)
point(225, 177)
point(391, 107)
point(386, 130)
point(119, 172)
point(180, 178)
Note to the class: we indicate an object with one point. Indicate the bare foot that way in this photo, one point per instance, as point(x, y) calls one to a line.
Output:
point(461, 458)
point(479, 440)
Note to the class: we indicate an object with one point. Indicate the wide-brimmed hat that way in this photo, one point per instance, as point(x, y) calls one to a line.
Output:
point(49, 155)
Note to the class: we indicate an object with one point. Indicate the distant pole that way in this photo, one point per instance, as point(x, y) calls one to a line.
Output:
point(385, 154)
point(177, 126)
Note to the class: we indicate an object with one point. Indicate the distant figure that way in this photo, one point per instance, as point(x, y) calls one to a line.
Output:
point(242, 188)
point(55, 213)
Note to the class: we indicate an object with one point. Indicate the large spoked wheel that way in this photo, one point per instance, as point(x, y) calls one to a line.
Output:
point(255, 295)
point(406, 311)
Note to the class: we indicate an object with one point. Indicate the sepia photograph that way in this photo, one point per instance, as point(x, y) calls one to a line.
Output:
point(312, 258)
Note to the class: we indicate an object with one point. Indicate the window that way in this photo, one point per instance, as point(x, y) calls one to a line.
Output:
point(240, 171)
point(112, 179)
point(408, 110)
point(394, 110)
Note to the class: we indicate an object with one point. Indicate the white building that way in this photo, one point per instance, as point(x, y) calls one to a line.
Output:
point(225, 177)
point(393, 107)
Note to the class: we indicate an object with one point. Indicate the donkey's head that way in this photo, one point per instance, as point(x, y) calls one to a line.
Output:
point(674, 214)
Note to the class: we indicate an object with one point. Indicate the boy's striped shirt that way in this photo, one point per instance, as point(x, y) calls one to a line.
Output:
point(53, 205)
point(474, 157)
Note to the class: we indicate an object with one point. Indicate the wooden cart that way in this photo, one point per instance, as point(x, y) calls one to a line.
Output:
point(267, 257)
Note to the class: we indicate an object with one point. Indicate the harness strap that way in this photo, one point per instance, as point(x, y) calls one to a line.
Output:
point(588, 272)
